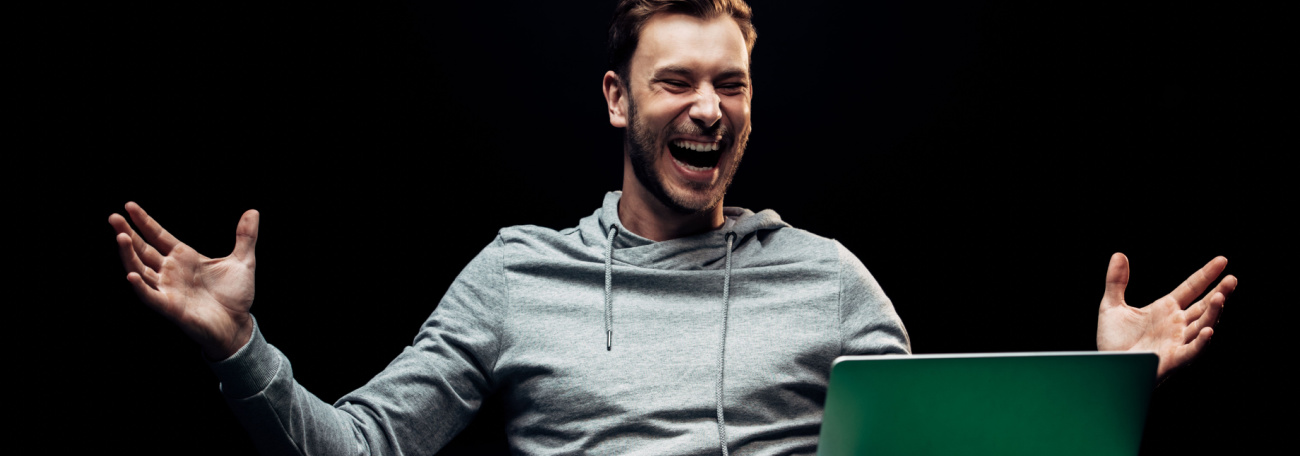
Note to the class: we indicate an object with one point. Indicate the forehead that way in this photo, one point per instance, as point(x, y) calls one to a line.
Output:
point(705, 45)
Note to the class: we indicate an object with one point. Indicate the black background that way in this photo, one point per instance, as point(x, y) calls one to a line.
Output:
point(983, 159)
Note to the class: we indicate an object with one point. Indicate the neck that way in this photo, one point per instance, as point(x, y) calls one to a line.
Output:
point(642, 213)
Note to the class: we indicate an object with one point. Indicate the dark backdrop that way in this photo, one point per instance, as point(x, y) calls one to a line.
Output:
point(982, 159)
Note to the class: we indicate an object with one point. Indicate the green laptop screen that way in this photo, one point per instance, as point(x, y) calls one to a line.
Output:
point(1075, 403)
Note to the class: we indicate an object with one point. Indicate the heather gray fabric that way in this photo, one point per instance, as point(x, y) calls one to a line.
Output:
point(528, 318)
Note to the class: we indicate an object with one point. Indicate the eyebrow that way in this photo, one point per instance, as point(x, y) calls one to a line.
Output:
point(686, 71)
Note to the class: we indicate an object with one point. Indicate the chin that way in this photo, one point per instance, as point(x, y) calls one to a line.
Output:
point(688, 199)
point(695, 205)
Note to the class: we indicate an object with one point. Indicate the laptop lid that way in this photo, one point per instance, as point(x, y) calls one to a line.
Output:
point(1059, 403)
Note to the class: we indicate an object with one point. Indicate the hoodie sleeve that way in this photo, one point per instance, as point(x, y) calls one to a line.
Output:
point(414, 406)
point(868, 323)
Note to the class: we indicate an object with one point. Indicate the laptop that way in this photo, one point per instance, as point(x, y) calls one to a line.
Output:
point(1057, 403)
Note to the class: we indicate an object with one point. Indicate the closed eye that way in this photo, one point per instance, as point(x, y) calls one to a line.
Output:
point(674, 85)
point(732, 88)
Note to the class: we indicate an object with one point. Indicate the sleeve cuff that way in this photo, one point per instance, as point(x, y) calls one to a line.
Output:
point(250, 369)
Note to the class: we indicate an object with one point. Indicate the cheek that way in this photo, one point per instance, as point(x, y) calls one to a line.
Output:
point(668, 109)
point(738, 110)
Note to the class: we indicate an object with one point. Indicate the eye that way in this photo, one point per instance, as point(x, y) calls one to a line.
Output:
point(731, 87)
point(674, 85)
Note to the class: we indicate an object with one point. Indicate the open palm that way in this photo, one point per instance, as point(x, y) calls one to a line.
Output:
point(209, 298)
point(1174, 327)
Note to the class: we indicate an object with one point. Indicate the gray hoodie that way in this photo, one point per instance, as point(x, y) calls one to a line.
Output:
point(623, 347)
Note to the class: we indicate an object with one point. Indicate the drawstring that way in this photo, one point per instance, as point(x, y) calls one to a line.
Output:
point(609, 280)
point(722, 345)
point(722, 341)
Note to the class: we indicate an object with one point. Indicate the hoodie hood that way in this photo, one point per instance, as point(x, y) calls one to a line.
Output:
point(704, 251)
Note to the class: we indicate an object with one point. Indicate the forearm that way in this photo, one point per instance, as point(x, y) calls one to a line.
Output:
point(414, 406)
point(280, 415)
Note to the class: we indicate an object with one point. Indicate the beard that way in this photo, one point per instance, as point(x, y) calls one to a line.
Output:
point(644, 147)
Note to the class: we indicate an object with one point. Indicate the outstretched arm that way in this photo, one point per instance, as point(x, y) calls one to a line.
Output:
point(209, 298)
point(1176, 327)
point(417, 404)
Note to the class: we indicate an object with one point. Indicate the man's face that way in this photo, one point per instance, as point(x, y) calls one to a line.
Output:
point(688, 109)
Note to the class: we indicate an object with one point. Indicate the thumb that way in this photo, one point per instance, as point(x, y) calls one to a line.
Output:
point(246, 236)
point(1116, 280)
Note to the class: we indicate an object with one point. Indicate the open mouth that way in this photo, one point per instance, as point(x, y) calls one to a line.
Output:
point(696, 156)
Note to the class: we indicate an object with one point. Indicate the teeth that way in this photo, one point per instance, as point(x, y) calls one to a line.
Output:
point(698, 147)
point(692, 168)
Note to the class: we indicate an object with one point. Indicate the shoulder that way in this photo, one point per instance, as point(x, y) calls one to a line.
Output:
point(523, 241)
point(795, 243)
point(533, 234)
point(787, 244)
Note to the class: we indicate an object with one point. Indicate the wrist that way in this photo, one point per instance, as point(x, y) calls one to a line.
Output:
point(240, 334)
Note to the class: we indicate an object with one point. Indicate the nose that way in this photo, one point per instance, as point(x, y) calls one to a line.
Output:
point(707, 108)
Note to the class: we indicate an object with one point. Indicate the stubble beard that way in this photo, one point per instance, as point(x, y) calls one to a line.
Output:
point(643, 148)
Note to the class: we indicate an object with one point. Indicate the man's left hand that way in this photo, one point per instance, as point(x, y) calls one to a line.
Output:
point(1174, 327)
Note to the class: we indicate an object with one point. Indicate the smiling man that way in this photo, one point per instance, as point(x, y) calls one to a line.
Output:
point(684, 97)
point(663, 323)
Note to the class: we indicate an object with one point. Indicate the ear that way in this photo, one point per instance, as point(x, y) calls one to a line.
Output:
point(615, 99)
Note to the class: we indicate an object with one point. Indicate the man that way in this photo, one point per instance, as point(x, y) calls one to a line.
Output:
point(665, 322)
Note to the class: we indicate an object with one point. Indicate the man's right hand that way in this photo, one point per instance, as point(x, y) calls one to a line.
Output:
point(208, 298)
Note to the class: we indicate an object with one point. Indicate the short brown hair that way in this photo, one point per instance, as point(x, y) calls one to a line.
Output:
point(631, 15)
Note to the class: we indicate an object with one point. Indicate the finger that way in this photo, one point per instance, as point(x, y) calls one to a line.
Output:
point(246, 236)
point(147, 253)
point(119, 223)
point(1195, 311)
point(152, 232)
point(1194, 285)
point(1116, 279)
point(1225, 288)
point(1187, 352)
point(132, 262)
point(1184, 354)
point(142, 250)
point(154, 298)
point(1207, 319)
